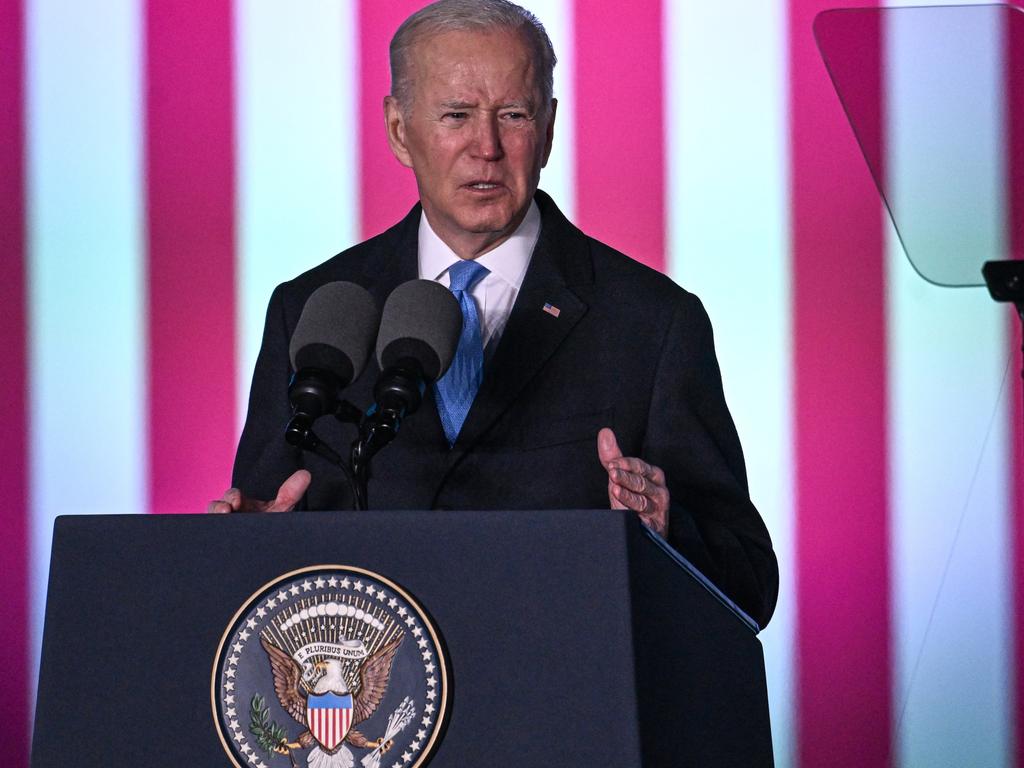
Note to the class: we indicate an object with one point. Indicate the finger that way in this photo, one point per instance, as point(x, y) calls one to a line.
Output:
point(630, 480)
point(231, 501)
point(613, 500)
point(607, 446)
point(219, 507)
point(634, 501)
point(640, 467)
point(649, 513)
point(657, 495)
point(291, 491)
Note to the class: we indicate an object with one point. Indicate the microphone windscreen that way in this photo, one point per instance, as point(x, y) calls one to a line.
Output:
point(335, 331)
point(421, 320)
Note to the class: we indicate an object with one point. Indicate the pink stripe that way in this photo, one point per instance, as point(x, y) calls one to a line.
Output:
point(190, 177)
point(387, 190)
point(844, 675)
point(620, 166)
point(1017, 550)
point(1014, 74)
point(14, 543)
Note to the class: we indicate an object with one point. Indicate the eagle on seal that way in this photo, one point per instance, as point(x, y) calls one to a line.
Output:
point(374, 675)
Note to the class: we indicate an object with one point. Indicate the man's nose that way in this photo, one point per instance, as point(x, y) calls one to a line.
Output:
point(487, 141)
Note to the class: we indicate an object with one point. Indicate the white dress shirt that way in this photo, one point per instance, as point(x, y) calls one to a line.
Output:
point(496, 292)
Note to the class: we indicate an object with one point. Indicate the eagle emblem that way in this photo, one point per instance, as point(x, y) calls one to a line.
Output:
point(328, 666)
point(329, 711)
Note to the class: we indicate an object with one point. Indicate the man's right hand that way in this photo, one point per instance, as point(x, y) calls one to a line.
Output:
point(288, 496)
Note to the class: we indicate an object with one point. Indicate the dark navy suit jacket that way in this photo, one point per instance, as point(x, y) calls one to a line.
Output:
point(629, 349)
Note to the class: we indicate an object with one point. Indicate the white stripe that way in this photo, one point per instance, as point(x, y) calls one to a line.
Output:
point(86, 316)
point(298, 150)
point(558, 178)
point(727, 219)
point(948, 350)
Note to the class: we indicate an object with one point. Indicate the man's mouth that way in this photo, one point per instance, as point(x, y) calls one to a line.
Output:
point(483, 185)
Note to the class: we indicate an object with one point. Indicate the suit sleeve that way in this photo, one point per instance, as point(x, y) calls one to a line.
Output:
point(692, 437)
point(264, 460)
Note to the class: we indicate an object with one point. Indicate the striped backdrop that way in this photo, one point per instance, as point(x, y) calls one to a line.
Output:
point(164, 164)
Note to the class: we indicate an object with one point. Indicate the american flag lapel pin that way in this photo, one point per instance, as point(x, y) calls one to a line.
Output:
point(551, 309)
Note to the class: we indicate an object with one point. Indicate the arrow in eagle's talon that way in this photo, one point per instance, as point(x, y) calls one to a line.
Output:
point(284, 748)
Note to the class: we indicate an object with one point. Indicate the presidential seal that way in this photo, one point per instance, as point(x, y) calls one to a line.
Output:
point(328, 665)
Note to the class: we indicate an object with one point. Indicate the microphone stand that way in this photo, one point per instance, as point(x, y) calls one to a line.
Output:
point(398, 392)
point(299, 433)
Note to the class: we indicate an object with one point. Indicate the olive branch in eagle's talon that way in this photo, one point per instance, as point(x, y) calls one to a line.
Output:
point(270, 736)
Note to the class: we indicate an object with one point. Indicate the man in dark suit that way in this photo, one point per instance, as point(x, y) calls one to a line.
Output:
point(579, 340)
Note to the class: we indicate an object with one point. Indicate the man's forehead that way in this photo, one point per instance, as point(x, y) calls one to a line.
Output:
point(457, 65)
point(469, 50)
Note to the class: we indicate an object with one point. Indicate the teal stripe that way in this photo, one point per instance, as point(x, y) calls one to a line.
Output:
point(86, 263)
point(950, 487)
point(727, 219)
point(558, 178)
point(297, 151)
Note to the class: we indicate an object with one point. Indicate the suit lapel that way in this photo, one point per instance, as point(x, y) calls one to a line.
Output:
point(532, 335)
point(396, 259)
point(561, 261)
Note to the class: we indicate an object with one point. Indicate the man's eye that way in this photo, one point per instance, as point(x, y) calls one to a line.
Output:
point(455, 115)
point(514, 116)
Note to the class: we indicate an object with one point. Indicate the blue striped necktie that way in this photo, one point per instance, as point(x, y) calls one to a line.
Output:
point(456, 390)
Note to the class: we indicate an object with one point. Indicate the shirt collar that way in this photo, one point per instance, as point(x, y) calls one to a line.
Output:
point(508, 261)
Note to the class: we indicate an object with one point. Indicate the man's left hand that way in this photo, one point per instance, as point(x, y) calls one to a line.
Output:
point(634, 484)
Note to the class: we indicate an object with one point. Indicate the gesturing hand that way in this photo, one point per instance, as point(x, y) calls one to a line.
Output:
point(288, 496)
point(634, 484)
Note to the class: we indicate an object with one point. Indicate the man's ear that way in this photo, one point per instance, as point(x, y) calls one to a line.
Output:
point(549, 136)
point(394, 122)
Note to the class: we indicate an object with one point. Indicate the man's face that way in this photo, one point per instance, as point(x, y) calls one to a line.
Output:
point(475, 135)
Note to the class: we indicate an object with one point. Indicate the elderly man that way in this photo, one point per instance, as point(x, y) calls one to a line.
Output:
point(573, 340)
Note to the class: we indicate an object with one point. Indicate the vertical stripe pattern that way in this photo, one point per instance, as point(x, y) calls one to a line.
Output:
point(949, 512)
point(87, 435)
point(1013, 57)
point(844, 678)
point(14, 543)
point(620, 154)
point(386, 189)
point(165, 164)
point(739, 263)
point(190, 211)
point(297, 152)
point(1016, 415)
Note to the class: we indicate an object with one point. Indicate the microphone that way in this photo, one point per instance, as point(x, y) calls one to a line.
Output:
point(419, 331)
point(328, 351)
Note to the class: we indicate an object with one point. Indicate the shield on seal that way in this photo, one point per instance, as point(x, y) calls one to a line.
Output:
point(329, 717)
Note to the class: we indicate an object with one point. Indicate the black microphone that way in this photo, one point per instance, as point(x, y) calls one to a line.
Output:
point(419, 331)
point(328, 351)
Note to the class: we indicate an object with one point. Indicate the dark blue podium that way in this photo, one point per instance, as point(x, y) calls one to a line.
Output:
point(575, 638)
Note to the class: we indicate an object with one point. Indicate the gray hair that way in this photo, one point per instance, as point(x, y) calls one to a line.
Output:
point(469, 15)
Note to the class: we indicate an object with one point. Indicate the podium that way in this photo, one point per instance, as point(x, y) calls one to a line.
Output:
point(574, 638)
